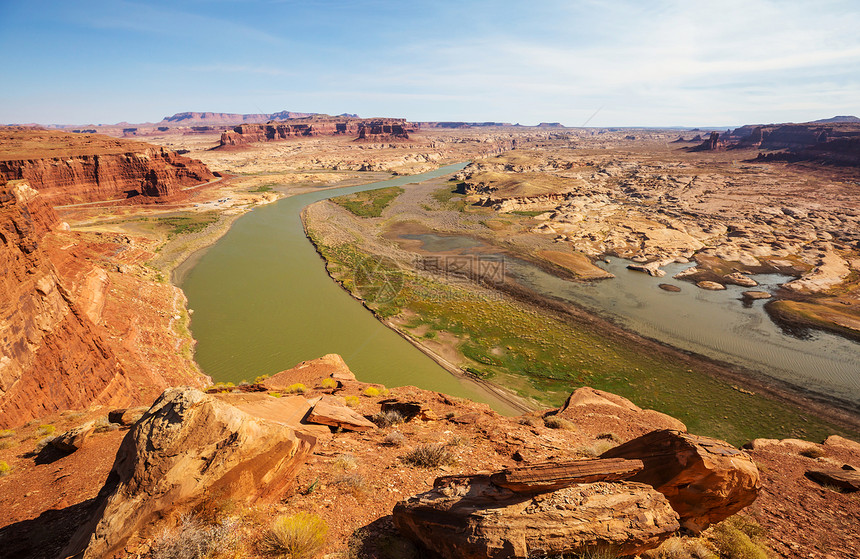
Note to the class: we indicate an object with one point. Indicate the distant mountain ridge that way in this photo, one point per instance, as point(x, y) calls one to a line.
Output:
point(232, 119)
point(842, 118)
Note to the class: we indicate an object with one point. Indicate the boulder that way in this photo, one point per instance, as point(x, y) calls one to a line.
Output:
point(738, 278)
point(330, 411)
point(651, 268)
point(710, 285)
point(74, 439)
point(755, 295)
point(846, 479)
point(126, 417)
point(310, 373)
point(469, 517)
point(189, 447)
point(706, 480)
point(615, 413)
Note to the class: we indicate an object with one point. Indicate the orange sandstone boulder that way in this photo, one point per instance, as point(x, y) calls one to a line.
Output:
point(186, 448)
point(706, 480)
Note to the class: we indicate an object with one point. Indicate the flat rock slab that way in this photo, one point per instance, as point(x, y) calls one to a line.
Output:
point(551, 476)
point(846, 480)
point(286, 410)
point(669, 287)
point(754, 295)
point(330, 411)
point(711, 285)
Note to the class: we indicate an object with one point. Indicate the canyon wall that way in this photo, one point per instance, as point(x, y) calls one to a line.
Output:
point(51, 357)
point(379, 129)
point(87, 168)
point(834, 143)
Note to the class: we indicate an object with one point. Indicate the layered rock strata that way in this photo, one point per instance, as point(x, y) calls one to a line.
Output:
point(51, 356)
point(86, 168)
point(382, 129)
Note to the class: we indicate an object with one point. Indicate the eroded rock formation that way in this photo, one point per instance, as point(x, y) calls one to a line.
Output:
point(51, 356)
point(380, 129)
point(188, 447)
point(470, 517)
point(705, 480)
point(72, 168)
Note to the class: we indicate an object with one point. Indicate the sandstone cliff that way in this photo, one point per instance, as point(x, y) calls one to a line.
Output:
point(47, 344)
point(73, 168)
point(78, 326)
point(380, 129)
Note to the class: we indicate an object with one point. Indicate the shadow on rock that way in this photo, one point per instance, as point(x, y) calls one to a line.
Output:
point(381, 540)
point(45, 536)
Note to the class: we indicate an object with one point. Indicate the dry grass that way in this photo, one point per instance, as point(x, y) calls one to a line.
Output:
point(555, 422)
point(429, 456)
point(193, 540)
point(812, 452)
point(387, 418)
point(300, 536)
point(394, 438)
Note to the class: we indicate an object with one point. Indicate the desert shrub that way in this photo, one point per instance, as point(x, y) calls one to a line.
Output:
point(457, 440)
point(530, 421)
point(351, 401)
point(394, 438)
point(429, 456)
point(609, 437)
point(346, 462)
point(300, 536)
point(260, 379)
point(297, 388)
point(47, 429)
point(328, 383)
point(371, 392)
point(555, 422)
point(193, 540)
point(5, 468)
point(275, 394)
point(812, 452)
point(681, 548)
point(739, 538)
point(387, 418)
point(6, 444)
point(354, 484)
point(6, 433)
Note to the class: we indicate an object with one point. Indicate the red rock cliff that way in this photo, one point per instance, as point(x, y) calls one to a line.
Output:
point(362, 128)
point(73, 168)
point(51, 358)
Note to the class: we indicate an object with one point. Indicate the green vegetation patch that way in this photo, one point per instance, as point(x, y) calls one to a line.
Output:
point(546, 357)
point(369, 203)
point(263, 188)
point(184, 224)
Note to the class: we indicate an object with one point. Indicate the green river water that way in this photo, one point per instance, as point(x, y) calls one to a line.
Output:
point(262, 302)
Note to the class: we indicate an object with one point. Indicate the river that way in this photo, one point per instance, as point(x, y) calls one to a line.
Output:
point(262, 302)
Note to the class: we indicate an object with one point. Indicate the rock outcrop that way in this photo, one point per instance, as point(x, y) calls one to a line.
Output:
point(377, 129)
point(615, 413)
point(187, 448)
point(51, 356)
point(705, 480)
point(471, 517)
point(77, 168)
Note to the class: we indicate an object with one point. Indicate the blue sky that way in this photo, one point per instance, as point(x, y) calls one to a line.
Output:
point(633, 63)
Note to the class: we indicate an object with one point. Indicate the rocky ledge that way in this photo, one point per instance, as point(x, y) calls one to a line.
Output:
point(69, 168)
